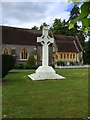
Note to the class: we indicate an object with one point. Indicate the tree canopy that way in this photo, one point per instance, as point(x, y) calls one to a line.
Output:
point(43, 24)
point(34, 28)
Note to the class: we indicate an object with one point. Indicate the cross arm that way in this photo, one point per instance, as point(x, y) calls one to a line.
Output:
point(39, 39)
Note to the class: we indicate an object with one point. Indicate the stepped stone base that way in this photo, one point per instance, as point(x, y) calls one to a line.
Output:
point(45, 72)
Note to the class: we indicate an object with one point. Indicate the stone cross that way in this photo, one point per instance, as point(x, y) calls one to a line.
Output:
point(45, 72)
point(45, 40)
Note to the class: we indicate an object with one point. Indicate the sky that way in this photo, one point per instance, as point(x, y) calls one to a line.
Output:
point(26, 14)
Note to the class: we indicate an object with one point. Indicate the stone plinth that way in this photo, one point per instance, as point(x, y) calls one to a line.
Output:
point(45, 72)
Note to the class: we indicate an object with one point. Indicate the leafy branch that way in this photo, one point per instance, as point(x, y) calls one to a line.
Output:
point(83, 16)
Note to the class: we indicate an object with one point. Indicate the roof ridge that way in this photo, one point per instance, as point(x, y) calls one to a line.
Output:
point(79, 42)
point(75, 45)
point(65, 36)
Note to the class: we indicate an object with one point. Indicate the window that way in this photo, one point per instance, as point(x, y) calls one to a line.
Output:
point(24, 54)
point(67, 56)
point(64, 56)
point(56, 57)
point(70, 55)
point(73, 55)
point(61, 55)
point(5, 51)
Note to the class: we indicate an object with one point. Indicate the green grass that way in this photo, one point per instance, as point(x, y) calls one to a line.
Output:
point(24, 98)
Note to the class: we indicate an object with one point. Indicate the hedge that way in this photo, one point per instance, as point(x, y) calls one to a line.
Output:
point(7, 64)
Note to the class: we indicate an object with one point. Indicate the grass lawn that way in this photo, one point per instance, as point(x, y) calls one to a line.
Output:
point(24, 98)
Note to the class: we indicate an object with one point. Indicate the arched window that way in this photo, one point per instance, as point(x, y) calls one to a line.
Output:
point(5, 51)
point(24, 54)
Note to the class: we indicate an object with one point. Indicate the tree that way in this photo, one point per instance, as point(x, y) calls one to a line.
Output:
point(73, 15)
point(61, 28)
point(34, 28)
point(57, 27)
point(43, 24)
point(83, 16)
point(87, 53)
point(74, 12)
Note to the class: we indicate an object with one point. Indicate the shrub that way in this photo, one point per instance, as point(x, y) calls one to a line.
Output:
point(60, 63)
point(71, 63)
point(31, 63)
point(7, 64)
point(19, 66)
point(16, 66)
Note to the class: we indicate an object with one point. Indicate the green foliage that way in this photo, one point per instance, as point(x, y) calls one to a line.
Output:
point(34, 28)
point(31, 62)
point(19, 66)
point(71, 25)
point(74, 12)
point(43, 24)
point(71, 63)
point(7, 64)
point(84, 10)
point(87, 53)
point(60, 63)
point(82, 16)
point(61, 28)
point(57, 27)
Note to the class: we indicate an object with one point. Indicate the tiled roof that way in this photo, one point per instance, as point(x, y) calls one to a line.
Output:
point(64, 38)
point(19, 36)
point(67, 43)
point(22, 36)
point(66, 46)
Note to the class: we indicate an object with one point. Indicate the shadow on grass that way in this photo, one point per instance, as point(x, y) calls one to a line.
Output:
point(5, 81)
point(15, 75)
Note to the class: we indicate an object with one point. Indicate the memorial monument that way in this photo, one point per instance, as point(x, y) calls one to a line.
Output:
point(45, 72)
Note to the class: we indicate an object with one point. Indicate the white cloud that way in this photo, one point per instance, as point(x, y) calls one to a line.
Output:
point(28, 14)
point(0, 13)
point(59, 10)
